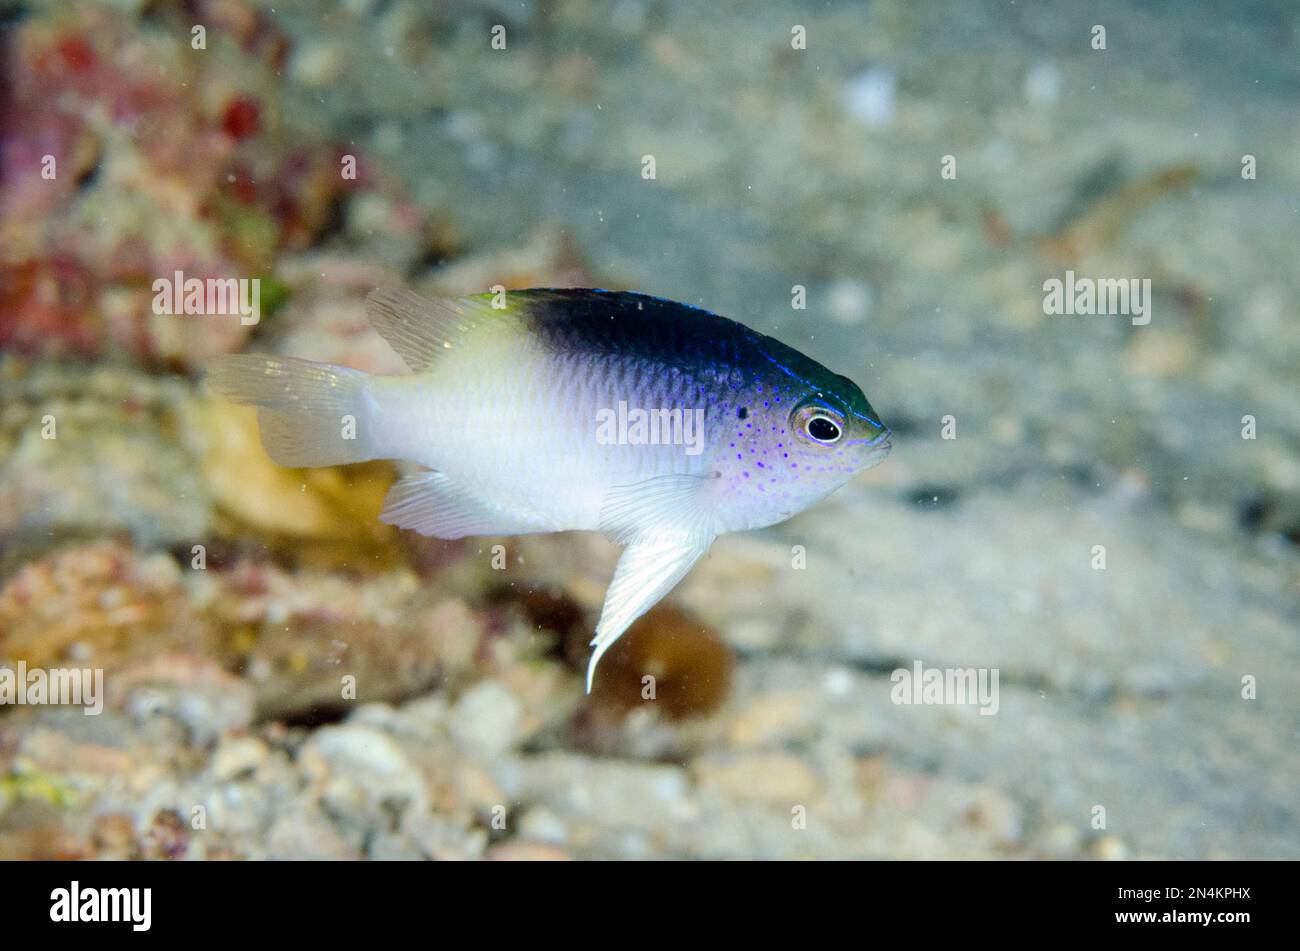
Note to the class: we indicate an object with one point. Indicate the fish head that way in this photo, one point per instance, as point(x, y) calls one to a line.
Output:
point(836, 421)
point(807, 431)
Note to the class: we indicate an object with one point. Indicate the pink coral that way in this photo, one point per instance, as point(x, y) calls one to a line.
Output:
point(129, 156)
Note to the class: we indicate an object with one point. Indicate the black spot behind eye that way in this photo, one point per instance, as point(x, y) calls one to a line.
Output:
point(742, 413)
point(823, 429)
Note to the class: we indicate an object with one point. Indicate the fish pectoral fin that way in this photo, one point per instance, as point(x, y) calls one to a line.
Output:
point(433, 504)
point(647, 570)
point(661, 506)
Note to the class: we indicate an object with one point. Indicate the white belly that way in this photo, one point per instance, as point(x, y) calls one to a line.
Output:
point(519, 429)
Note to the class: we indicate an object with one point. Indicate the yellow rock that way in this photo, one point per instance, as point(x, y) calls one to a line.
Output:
point(329, 516)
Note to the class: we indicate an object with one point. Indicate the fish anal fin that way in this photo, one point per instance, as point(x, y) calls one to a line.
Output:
point(433, 504)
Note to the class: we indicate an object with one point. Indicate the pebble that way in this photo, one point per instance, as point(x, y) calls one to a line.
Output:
point(776, 778)
point(848, 302)
point(871, 96)
point(485, 721)
point(317, 64)
point(238, 756)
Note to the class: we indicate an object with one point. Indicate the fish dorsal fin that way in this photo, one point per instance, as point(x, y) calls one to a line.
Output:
point(421, 328)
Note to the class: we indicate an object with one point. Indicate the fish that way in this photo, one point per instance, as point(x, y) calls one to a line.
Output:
point(659, 424)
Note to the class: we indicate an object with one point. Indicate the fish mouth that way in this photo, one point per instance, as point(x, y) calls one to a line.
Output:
point(882, 439)
point(872, 451)
point(879, 447)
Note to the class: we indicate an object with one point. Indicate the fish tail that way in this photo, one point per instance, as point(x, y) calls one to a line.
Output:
point(310, 414)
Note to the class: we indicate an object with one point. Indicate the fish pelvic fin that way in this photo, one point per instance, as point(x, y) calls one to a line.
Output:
point(647, 570)
point(667, 505)
point(668, 522)
point(310, 414)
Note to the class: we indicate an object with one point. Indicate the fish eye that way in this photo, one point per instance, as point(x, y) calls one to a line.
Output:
point(823, 429)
